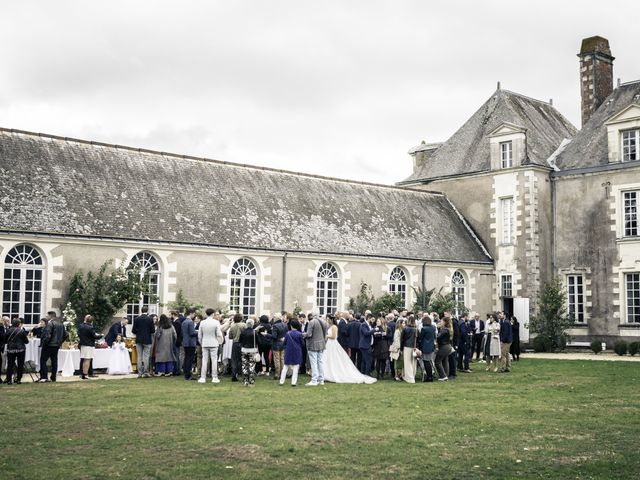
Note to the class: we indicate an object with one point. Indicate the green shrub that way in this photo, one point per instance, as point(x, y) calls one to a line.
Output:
point(540, 344)
point(634, 347)
point(620, 348)
point(596, 346)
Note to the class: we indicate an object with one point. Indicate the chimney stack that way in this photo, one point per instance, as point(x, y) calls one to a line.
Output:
point(596, 74)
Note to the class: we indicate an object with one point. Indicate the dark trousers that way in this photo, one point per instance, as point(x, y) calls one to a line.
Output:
point(12, 359)
point(236, 359)
point(176, 364)
point(189, 355)
point(365, 366)
point(453, 362)
point(356, 357)
point(46, 354)
point(477, 344)
point(463, 356)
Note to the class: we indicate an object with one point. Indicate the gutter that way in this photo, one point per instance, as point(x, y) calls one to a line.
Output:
point(284, 281)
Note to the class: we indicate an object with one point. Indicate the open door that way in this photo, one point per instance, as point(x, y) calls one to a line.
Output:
point(521, 312)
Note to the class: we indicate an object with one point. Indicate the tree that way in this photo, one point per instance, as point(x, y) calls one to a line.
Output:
point(105, 292)
point(363, 301)
point(423, 298)
point(552, 322)
point(183, 302)
point(386, 303)
point(446, 302)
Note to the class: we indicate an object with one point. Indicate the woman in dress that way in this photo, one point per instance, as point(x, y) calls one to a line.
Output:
point(293, 343)
point(16, 341)
point(119, 361)
point(408, 342)
point(394, 349)
point(165, 338)
point(515, 343)
point(443, 340)
point(338, 367)
point(380, 347)
point(493, 336)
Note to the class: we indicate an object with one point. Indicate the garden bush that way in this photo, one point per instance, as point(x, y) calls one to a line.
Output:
point(540, 344)
point(634, 347)
point(596, 346)
point(620, 348)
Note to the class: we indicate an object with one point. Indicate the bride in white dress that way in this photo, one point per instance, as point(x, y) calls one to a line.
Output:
point(338, 367)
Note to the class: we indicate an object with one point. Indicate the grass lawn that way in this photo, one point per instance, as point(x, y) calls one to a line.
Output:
point(546, 419)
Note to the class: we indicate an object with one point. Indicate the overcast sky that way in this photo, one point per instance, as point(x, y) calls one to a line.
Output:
point(339, 88)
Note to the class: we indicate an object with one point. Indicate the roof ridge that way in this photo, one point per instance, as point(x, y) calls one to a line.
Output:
point(212, 160)
point(527, 97)
point(631, 82)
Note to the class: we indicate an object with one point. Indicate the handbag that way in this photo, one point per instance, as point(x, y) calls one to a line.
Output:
point(256, 356)
point(417, 353)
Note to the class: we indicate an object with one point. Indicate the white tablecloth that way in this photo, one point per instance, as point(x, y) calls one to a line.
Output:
point(33, 351)
point(69, 360)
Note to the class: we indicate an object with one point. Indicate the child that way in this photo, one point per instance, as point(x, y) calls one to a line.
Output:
point(119, 362)
point(293, 343)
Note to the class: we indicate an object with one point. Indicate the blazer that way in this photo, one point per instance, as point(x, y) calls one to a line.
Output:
point(278, 333)
point(189, 334)
point(353, 334)
point(115, 330)
point(409, 338)
point(505, 332)
point(473, 326)
point(143, 329)
point(342, 333)
point(316, 335)
point(293, 343)
point(208, 332)
point(463, 330)
point(87, 335)
point(427, 339)
point(366, 335)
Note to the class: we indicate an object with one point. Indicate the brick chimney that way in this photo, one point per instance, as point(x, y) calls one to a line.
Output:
point(596, 74)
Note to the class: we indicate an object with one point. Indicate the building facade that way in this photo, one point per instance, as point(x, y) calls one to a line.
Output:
point(550, 200)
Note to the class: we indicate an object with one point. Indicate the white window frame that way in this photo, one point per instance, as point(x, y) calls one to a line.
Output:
point(243, 287)
point(459, 290)
point(630, 145)
point(632, 310)
point(630, 220)
point(327, 288)
point(506, 279)
point(24, 263)
point(149, 264)
point(575, 297)
point(398, 283)
point(506, 154)
point(507, 220)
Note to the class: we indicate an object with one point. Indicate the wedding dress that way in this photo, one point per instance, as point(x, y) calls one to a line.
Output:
point(338, 367)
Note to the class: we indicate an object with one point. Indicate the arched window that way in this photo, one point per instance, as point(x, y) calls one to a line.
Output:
point(327, 288)
point(22, 286)
point(398, 284)
point(458, 289)
point(244, 279)
point(148, 265)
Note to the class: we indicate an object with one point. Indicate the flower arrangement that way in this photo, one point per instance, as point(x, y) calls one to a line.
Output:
point(69, 322)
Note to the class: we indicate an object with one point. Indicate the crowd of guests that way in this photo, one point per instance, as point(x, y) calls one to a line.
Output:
point(402, 345)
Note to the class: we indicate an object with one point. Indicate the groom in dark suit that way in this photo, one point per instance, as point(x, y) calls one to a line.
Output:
point(353, 340)
point(477, 328)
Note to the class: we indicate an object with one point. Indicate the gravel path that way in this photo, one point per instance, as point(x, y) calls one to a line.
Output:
point(604, 356)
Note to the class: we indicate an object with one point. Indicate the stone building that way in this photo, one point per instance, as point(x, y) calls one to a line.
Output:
point(253, 239)
point(549, 200)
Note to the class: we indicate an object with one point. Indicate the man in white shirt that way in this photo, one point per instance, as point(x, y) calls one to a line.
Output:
point(208, 335)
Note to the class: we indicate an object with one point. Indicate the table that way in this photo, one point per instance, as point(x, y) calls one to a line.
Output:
point(33, 351)
point(69, 360)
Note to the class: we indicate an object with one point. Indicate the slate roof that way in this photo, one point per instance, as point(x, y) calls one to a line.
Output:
point(467, 150)
point(70, 187)
point(589, 148)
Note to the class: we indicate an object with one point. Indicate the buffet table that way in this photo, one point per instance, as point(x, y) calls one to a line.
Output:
point(68, 360)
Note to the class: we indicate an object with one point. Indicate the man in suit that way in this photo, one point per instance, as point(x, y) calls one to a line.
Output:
point(506, 337)
point(353, 340)
point(366, 341)
point(189, 341)
point(118, 328)
point(342, 332)
point(143, 329)
point(464, 344)
point(52, 337)
point(477, 330)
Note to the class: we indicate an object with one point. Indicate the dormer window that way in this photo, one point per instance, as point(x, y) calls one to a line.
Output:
point(506, 154)
point(630, 143)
